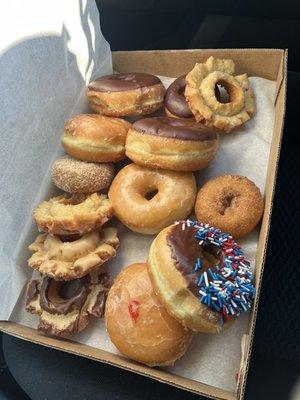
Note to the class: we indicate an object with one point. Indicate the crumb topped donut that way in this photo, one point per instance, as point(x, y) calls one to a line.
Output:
point(176, 105)
point(171, 143)
point(147, 200)
point(74, 176)
point(231, 203)
point(138, 325)
point(130, 94)
point(95, 138)
point(200, 275)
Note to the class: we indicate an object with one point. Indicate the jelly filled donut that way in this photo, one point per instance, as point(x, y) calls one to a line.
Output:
point(147, 200)
point(231, 203)
point(65, 308)
point(171, 143)
point(126, 94)
point(138, 325)
point(95, 138)
point(176, 105)
point(200, 275)
point(74, 176)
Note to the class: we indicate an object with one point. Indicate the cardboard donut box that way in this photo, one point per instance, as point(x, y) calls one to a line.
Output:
point(266, 63)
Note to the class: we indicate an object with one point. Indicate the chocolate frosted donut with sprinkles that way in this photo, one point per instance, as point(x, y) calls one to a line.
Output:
point(200, 275)
point(171, 143)
point(129, 94)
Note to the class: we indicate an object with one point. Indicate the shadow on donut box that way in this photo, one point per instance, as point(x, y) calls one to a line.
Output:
point(265, 63)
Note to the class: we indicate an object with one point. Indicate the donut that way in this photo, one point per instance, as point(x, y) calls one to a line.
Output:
point(95, 138)
point(171, 143)
point(231, 203)
point(138, 325)
point(201, 97)
point(65, 308)
point(63, 215)
point(71, 257)
point(176, 105)
point(74, 176)
point(200, 275)
point(147, 200)
point(126, 94)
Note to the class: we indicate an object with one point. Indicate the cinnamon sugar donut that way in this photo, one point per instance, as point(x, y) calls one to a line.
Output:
point(74, 176)
point(126, 94)
point(147, 200)
point(231, 203)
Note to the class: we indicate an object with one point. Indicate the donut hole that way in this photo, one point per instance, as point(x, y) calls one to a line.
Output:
point(181, 91)
point(69, 238)
point(222, 92)
point(59, 292)
point(227, 200)
point(151, 194)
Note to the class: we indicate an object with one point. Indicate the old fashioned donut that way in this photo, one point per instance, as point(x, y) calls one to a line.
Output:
point(176, 105)
point(138, 325)
point(200, 275)
point(147, 200)
point(231, 203)
point(78, 214)
point(74, 176)
point(70, 257)
point(126, 94)
point(64, 313)
point(170, 143)
point(201, 97)
point(95, 138)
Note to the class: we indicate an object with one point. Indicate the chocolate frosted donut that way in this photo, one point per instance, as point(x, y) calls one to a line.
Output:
point(175, 104)
point(169, 143)
point(126, 94)
point(65, 307)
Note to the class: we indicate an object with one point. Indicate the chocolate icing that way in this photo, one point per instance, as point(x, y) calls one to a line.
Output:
point(185, 250)
point(174, 128)
point(175, 101)
point(123, 82)
point(32, 291)
point(52, 301)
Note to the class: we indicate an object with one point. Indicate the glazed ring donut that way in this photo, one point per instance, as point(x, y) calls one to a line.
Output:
point(231, 203)
point(126, 94)
point(176, 105)
point(200, 94)
point(95, 138)
point(200, 275)
point(74, 176)
point(138, 325)
point(170, 143)
point(70, 257)
point(66, 315)
point(77, 214)
point(131, 194)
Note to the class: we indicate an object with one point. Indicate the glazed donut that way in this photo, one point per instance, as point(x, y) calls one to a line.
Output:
point(126, 94)
point(201, 97)
point(64, 313)
point(74, 176)
point(200, 275)
point(170, 143)
point(77, 214)
point(95, 138)
point(138, 325)
point(231, 203)
point(176, 105)
point(131, 196)
point(70, 257)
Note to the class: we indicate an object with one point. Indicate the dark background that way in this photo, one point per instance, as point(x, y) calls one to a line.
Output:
point(275, 362)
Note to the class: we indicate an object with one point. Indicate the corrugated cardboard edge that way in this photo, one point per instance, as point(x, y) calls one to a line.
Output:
point(247, 341)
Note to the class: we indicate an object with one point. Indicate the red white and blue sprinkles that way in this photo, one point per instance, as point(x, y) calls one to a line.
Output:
point(227, 287)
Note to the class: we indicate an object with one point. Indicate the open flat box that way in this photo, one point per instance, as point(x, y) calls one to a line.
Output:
point(267, 63)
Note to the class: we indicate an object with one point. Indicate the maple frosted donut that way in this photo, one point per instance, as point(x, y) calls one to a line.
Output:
point(95, 138)
point(171, 143)
point(176, 105)
point(200, 275)
point(74, 176)
point(231, 203)
point(130, 94)
point(65, 308)
point(138, 325)
point(147, 200)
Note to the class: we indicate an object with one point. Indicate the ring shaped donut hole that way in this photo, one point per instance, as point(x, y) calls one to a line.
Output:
point(227, 199)
point(147, 188)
